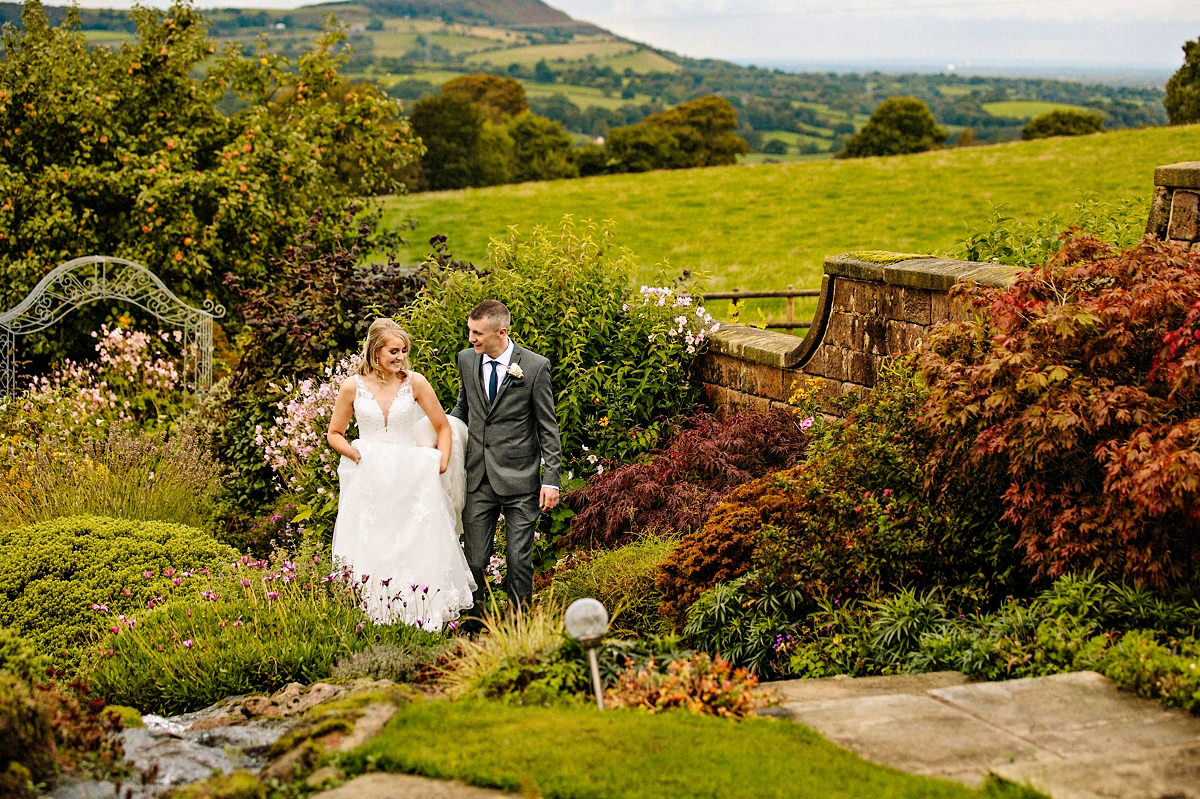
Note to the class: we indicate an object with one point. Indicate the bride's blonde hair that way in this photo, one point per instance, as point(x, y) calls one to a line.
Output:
point(378, 333)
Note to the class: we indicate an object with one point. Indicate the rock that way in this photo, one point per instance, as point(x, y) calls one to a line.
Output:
point(172, 761)
point(291, 700)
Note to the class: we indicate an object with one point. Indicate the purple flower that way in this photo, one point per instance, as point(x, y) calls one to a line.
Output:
point(386, 583)
point(101, 607)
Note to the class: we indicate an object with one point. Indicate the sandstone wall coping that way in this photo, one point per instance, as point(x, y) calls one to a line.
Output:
point(929, 273)
point(1183, 175)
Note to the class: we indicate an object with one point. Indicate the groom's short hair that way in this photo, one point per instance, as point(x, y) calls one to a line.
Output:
point(493, 310)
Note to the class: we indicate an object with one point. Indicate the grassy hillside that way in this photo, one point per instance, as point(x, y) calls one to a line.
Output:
point(770, 225)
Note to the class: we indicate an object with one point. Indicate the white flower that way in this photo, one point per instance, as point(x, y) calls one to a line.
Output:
point(514, 370)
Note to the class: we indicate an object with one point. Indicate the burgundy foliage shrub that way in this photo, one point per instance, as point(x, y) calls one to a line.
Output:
point(1077, 391)
point(677, 489)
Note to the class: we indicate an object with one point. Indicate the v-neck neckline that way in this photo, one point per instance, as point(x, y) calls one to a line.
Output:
point(387, 412)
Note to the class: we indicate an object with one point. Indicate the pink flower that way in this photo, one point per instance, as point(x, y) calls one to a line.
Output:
point(168, 572)
point(245, 582)
point(114, 629)
point(188, 643)
point(272, 595)
point(806, 423)
point(148, 574)
point(101, 607)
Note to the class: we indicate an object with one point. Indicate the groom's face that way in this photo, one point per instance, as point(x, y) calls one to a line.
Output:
point(487, 337)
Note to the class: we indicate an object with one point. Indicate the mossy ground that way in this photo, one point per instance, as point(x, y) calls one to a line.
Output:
point(581, 753)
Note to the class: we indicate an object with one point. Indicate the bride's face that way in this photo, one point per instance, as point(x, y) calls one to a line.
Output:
point(391, 355)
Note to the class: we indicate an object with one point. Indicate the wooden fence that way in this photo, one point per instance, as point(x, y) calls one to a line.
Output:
point(789, 322)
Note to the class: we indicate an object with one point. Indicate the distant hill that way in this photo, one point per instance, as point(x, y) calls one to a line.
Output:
point(590, 79)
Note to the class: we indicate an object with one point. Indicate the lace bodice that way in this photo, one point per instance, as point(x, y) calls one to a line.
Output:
point(396, 424)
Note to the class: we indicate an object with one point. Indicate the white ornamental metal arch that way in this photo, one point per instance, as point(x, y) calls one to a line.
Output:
point(101, 277)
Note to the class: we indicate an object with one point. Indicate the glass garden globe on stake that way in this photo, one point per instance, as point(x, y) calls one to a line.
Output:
point(587, 621)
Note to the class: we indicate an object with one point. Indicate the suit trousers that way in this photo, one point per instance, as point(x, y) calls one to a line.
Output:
point(481, 511)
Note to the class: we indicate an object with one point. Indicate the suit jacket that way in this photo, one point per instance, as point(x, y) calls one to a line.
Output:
point(509, 438)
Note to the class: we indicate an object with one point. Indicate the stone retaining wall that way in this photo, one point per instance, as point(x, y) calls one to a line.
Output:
point(871, 305)
point(875, 304)
point(1175, 211)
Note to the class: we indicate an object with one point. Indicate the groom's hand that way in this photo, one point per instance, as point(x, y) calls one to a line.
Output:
point(549, 498)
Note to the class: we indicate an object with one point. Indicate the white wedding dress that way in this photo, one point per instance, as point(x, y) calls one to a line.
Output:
point(398, 520)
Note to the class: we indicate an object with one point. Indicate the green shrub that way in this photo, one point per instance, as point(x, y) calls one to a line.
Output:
point(125, 475)
point(854, 519)
point(620, 358)
point(747, 628)
point(253, 629)
point(27, 748)
point(622, 580)
point(19, 658)
point(1145, 643)
point(1072, 395)
point(138, 158)
point(1063, 122)
point(1168, 672)
point(699, 684)
point(404, 661)
point(47, 725)
point(1009, 241)
point(55, 572)
point(520, 660)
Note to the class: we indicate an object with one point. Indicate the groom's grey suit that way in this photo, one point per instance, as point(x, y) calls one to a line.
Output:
point(508, 440)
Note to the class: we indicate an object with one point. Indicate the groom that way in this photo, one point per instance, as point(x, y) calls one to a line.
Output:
point(507, 402)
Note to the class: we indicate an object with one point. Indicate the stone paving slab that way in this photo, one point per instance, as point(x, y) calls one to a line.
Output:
point(1072, 736)
point(792, 692)
point(1074, 714)
point(917, 734)
point(1168, 773)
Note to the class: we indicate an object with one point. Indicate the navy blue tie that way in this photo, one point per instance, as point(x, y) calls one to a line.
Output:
point(492, 381)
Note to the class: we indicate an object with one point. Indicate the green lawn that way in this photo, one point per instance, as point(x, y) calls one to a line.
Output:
point(765, 226)
point(581, 753)
point(1027, 109)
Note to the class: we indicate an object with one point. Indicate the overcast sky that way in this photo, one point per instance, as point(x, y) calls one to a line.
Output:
point(1135, 33)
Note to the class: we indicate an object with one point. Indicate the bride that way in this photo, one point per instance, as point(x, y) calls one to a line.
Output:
point(402, 483)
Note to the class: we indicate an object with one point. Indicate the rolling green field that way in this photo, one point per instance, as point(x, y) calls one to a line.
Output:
point(1027, 109)
point(770, 225)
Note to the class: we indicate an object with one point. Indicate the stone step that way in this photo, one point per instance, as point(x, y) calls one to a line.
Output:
point(1072, 736)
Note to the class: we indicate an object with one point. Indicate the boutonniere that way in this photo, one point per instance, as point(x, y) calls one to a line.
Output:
point(514, 370)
